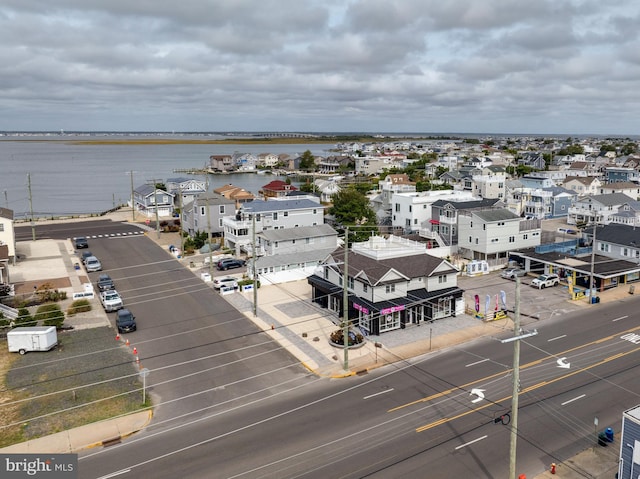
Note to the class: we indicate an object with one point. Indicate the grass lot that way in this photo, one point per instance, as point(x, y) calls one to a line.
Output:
point(44, 392)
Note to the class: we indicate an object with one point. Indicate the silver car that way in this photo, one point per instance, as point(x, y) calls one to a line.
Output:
point(511, 273)
point(92, 264)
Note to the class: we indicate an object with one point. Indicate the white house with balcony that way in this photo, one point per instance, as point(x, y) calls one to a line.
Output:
point(185, 190)
point(410, 210)
point(274, 214)
point(596, 208)
point(490, 234)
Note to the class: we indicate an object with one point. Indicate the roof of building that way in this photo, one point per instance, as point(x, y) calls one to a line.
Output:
point(620, 185)
point(611, 199)
point(6, 213)
point(492, 215)
point(467, 205)
point(623, 235)
point(585, 180)
point(298, 233)
point(260, 206)
point(279, 185)
point(212, 198)
point(146, 190)
point(371, 270)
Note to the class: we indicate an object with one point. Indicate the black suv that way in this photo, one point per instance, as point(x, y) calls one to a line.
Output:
point(125, 321)
point(81, 242)
point(225, 264)
point(105, 283)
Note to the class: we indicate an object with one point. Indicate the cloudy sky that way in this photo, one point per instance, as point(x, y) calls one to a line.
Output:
point(471, 66)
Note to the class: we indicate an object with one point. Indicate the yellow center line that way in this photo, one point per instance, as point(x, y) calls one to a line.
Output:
point(525, 390)
point(466, 386)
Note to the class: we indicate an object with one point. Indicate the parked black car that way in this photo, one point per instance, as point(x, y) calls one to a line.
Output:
point(81, 242)
point(229, 263)
point(105, 283)
point(125, 321)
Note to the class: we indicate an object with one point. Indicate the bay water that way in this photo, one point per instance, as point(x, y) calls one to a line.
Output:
point(69, 178)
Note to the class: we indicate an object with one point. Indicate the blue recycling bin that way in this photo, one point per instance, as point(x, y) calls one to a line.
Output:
point(608, 432)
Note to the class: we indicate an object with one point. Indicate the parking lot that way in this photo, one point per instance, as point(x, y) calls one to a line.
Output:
point(535, 304)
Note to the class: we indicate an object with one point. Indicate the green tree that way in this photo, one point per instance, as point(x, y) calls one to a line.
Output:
point(351, 208)
point(629, 148)
point(307, 161)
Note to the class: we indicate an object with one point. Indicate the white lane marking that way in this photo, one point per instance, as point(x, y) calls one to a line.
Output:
point(114, 474)
point(378, 394)
point(571, 400)
point(557, 337)
point(470, 442)
point(618, 319)
point(477, 362)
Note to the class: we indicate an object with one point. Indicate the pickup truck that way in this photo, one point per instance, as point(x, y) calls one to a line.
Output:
point(545, 280)
point(111, 300)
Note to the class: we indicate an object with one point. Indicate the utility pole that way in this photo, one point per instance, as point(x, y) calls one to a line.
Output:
point(155, 202)
point(593, 259)
point(345, 301)
point(33, 225)
point(133, 207)
point(253, 265)
point(517, 336)
point(181, 219)
point(208, 201)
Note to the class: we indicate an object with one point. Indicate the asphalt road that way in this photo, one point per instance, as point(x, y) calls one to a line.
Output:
point(72, 229)
point(417, 419)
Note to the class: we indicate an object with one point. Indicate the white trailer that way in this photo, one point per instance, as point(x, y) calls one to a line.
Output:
point(37, 338)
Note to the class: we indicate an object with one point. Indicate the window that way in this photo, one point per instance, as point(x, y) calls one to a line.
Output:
point(275, 245)
point(257, 216)
point(326, 273)
point(397, 207)
point(221, 209)
point(365, 287)
point(476, 240)
point(415, 221)
point(424, 207)
point(219, 222)
point(442, 278)
point(512, 239)
point(1, 227)
point(314, 211)
point(202, 211)
point(410, 208)
point(350, 282)
point(390, 288)
point(275, 215)
point(524, 237)
point(470, 239)
point(484, 227)
point(293, 241)
point(286, 213)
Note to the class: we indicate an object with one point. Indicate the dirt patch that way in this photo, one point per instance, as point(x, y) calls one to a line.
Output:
point(28, 287)
point(87, 378)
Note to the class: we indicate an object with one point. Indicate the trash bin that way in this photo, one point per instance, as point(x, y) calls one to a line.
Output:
point(597, 299)
point(76, 265)
point(608, 432)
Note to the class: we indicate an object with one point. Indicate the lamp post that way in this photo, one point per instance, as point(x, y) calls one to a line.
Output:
point(593, 259)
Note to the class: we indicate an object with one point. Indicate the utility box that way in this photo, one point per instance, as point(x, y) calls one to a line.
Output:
point(37, 338)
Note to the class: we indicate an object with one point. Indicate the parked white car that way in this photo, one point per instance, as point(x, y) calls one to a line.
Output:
point(111, 300)
point(92, 264)
point(225, 281)
point(545, 280)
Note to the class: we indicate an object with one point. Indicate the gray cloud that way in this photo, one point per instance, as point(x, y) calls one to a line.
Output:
point(415, 65)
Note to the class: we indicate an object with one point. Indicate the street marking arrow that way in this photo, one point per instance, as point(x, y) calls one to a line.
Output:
point(562, 364)
point(479, 393)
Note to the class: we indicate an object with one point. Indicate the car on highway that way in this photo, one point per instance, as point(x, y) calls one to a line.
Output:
point(111, 300)
point(225, 264)
point(545, 281)
point(81, 242)
point(105, 283)
point(125, 321)
point(511, 273)
point(225, 281)
point(92, 264)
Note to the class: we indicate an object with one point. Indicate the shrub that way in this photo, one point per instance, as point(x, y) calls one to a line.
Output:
point(50, 314)
point(247, 281)
point(24, 318)
point(79, 306)
point(3, 322)
point(46, 294)
point(336, 337)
